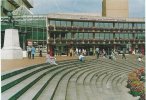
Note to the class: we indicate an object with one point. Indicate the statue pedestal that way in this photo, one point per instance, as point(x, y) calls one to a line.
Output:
point(11, 49)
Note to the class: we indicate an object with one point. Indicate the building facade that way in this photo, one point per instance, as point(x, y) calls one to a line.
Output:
point(11, 5)
point(115, 8)
point(68, 32)
point(64, 33)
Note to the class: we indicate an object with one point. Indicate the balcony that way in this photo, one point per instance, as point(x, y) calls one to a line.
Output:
point(93, 29)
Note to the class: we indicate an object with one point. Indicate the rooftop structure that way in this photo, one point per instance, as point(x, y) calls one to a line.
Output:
point(115, 8)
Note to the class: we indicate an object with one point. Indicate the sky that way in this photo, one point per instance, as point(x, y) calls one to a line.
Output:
point(136, 7)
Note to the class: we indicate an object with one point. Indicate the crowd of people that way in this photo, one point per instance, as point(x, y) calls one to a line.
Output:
point(81, 53)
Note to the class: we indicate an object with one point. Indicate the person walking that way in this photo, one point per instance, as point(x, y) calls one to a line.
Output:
point(29, 52)
point(123, 55)
point(97, 52)
point(40, 52)
point(32, 52)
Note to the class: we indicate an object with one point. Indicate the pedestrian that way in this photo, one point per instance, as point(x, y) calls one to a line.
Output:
point(40, 52)
point(123, 55)
point(140, 59)
point(97, 52)
point(50, 59)
point(29, 52)
point(81, 57)
point(32, 52)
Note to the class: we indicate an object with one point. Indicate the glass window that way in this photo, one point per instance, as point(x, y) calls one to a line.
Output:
point(139, 26)
point(130, 36)
point(81, 24)
point(125, 25)
point(110, 25)
point(86, 35)
point(76, 36)
point(97, 25)
point(117, 35)
point(106, 35)
point(130, 25)
point(90, 35)
point(81, 35)
point(101, 25)
point(142, 36)
point(111, 35)
point(52, 22)
point(143, 26)
point(101, 35)
point(135, 25)
point(121, 25)
point(126, 35)
point(122, 36)
point(63, 23)
point(75, 23)
point(105, 25)
point(68, 23)
point(68, 35)
point(90, 24)
point(116, 25)
point(85, 24)
point(97, 36)
point(57, 23)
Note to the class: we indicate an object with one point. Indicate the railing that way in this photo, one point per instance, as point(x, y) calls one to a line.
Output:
point(93, 29)
point(97, 41)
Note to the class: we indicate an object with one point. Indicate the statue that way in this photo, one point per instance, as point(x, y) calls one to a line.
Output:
point(10, 19)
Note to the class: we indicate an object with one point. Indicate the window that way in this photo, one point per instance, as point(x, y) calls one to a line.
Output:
point(68, 35)
point(126, 35)
point(117, 36)
point(111, 35)
point(143, 26)
point(125, 25)
point(97, 25)
point(130, 25)
point(121, 25)
point(90, 35)
point(106, 36)
point(122, 36)
point(81, 35)
point(63, 23)
point(86, 36)
point(97, 36)
point(68, 23)
point(101, 35)
point(57, 23)
point(116, 25)
point(85, 24)
point(101, 25)
point(90, 24)
point(110, 25)
point(105, 25)
point(52, 22)
point(130, 36)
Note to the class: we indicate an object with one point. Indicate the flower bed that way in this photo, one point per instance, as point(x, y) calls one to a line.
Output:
point(136, 83)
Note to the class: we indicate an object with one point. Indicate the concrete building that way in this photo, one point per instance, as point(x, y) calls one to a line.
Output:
point(63, 33)
point(115, 8)
point(11, 5)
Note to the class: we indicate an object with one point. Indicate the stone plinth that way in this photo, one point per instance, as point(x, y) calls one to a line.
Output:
point(11, 49)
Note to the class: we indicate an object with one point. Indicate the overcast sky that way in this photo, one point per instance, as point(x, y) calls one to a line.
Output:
point(136, 7)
